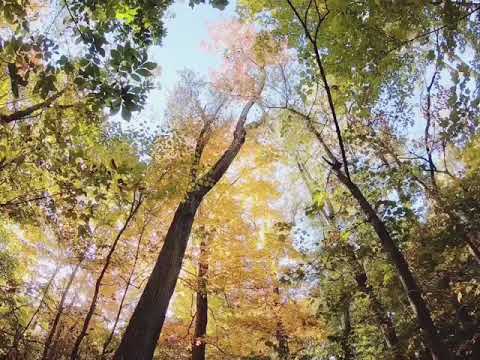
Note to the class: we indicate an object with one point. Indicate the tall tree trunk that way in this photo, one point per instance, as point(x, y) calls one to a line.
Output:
point(124, 295)
point(381, 317)
point(201, 316)
point(83, 332)
point(413, 291)
point(281, 335)
point(346, 333)
point(282, 342)
point(145, 325)
point(383, 320)
point(20, 334)
point(59, 313)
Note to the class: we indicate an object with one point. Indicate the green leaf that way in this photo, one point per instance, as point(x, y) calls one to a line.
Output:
point(126, 114)
point(150, 65)
point(144, 72)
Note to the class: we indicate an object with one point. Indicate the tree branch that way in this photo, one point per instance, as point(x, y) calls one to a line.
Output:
point(18, 115)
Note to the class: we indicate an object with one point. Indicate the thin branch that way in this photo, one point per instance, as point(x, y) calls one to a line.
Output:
point(326, 86)
point(430, 32)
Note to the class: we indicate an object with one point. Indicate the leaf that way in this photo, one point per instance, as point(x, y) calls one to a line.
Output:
point(319, 198)
point(150, 65)
point(144, 72)
point(126, 114)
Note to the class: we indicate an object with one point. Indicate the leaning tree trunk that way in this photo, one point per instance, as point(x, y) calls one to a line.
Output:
point(413, 291)
point(143, 330)
point(346, 333)
point(107, 342)
point(58, 315)
point(437, 348)
point(281, 334)
point(201, 317)
point(414, 294)
point(383, 320)
point(93, 304)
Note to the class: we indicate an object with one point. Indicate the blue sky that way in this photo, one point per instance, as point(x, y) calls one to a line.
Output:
point(181, 49)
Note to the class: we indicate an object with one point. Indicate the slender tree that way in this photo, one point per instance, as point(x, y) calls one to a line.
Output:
point(341, 170)
point(60, 308)
point(360, 275)
point(136, 203)
point(128, 283)
point(201, 313)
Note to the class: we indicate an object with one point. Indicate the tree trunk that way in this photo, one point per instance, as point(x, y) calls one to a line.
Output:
point(124, 295)
point(361, 278)
point(93, 304)
point(59, 313)
point(143, 330)
point(438, 350)
point(20, 334)
point(381, 317)
point(281, 334)
point(347, 332)
point(282, 342)
point(201, 317)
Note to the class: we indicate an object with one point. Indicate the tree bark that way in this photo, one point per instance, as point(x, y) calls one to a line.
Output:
point(201, 318)
point(93, 304)
point(59, 313)
point(143, 330)
point(21, 114)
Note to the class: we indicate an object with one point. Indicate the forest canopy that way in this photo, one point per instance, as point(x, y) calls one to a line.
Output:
point(316, 196)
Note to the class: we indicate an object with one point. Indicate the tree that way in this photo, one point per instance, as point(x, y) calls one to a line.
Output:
point(144, 328)
point(309, 26)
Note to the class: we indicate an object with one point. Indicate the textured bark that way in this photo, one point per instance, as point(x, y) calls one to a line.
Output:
point(201, 317)
point(93, 304)
point(58, 315)
point(143, 330)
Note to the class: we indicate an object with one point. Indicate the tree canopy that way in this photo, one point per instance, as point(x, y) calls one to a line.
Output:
point(316, 197)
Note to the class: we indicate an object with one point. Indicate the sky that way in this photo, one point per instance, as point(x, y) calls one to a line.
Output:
point(182, 49)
